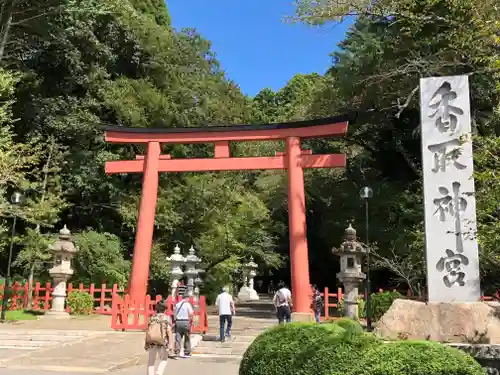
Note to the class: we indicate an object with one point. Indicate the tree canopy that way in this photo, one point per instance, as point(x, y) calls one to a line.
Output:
point(69, 67)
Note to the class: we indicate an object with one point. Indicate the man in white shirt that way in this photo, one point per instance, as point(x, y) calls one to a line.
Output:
point(183, 318)
point(225, 305)
point(283, 303)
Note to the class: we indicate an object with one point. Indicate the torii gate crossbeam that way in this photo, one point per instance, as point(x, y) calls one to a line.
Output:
point(293, 160)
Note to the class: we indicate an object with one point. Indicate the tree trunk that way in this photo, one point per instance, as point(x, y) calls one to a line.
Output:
point(5, 24)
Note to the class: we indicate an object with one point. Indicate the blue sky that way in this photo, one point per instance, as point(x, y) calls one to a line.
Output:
point(254, 46)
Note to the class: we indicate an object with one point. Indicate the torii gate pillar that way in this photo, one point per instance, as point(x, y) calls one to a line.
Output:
point(144, 234)
point(299, 259)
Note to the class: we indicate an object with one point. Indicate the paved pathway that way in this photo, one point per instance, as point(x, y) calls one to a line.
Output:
point(186, 366)
point(89, 346)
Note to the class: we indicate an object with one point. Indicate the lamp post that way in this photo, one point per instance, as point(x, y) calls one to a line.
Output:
point(15, 199)
point(366, 193)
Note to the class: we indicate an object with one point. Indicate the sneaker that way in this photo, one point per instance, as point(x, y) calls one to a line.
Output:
point(188, 355)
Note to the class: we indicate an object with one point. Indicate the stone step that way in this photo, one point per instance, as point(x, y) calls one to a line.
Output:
point(26, 337)
point(26, 344)
point(219, 351)
point(10, 339)
point(223, 345)
point(237, 332)
point(41, 332)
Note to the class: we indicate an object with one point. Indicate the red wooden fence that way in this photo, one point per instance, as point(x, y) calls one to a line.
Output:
point(131, 315)
point(331, 300)
point(42, 296)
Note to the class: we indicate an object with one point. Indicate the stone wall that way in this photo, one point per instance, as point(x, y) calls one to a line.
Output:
point(488, 355)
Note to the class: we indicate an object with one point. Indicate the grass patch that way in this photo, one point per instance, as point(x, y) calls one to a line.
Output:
point(21, 315)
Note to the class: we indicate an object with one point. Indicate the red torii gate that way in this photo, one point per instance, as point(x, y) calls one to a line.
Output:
point(294, 160)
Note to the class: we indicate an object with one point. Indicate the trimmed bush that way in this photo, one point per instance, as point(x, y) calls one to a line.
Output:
point(350, 326)
point(415, 358)
point(274, 352)
point(334, 355)
point(380, 303)
point(80, 303)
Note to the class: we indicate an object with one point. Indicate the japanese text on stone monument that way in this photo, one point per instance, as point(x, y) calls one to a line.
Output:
point(450, 209)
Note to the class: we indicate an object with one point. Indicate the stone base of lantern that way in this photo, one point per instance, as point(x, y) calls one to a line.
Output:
point(247, 294)
point(56, 315)
point(302, 317)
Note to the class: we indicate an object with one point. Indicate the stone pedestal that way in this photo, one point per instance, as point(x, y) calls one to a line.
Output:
point(351, 284)
point(468, 322)
point(247, 291)
point(302, 317)
point(59, 297)
point(247, 294)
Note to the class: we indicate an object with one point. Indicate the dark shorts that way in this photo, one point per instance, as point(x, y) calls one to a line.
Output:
point(284, 314)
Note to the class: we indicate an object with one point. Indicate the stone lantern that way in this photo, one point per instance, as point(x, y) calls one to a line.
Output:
point(191, 271)
point(176, 262)
point(63, 251)
point(198, 282)
point(351, 254)
point(247, 292)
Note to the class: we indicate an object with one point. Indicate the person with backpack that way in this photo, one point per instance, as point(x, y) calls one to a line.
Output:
point(317, 303)
point(159, 340)
point(283, 303)
point(183, 318)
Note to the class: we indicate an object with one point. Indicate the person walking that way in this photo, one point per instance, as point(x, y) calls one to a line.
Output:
point(283, 303)
point(159, 340)
point(226, 308)
point(317, 303)
point(183, 318)
point(270, 289)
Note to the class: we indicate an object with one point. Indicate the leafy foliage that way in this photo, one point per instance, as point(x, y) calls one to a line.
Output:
point(350, 325)
point(80, 303)
point(100, 259)
point(275, 351)
point(415, 357)
point(334, 355)
point(68, 67)
point(381, 302)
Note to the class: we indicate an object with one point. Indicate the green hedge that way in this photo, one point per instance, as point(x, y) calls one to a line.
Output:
point(341, 348)
point(333, 355)
point(274, 351)
point(415, 358)
point(350, 325)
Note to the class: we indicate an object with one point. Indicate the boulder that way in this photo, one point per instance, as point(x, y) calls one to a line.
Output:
point(473, 323)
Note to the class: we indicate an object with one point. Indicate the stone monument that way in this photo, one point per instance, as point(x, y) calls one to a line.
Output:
point(454, 312)
point(247, 291)
point(450, 205)
point(191, 271)
point(351, 254)
point(63, 251)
